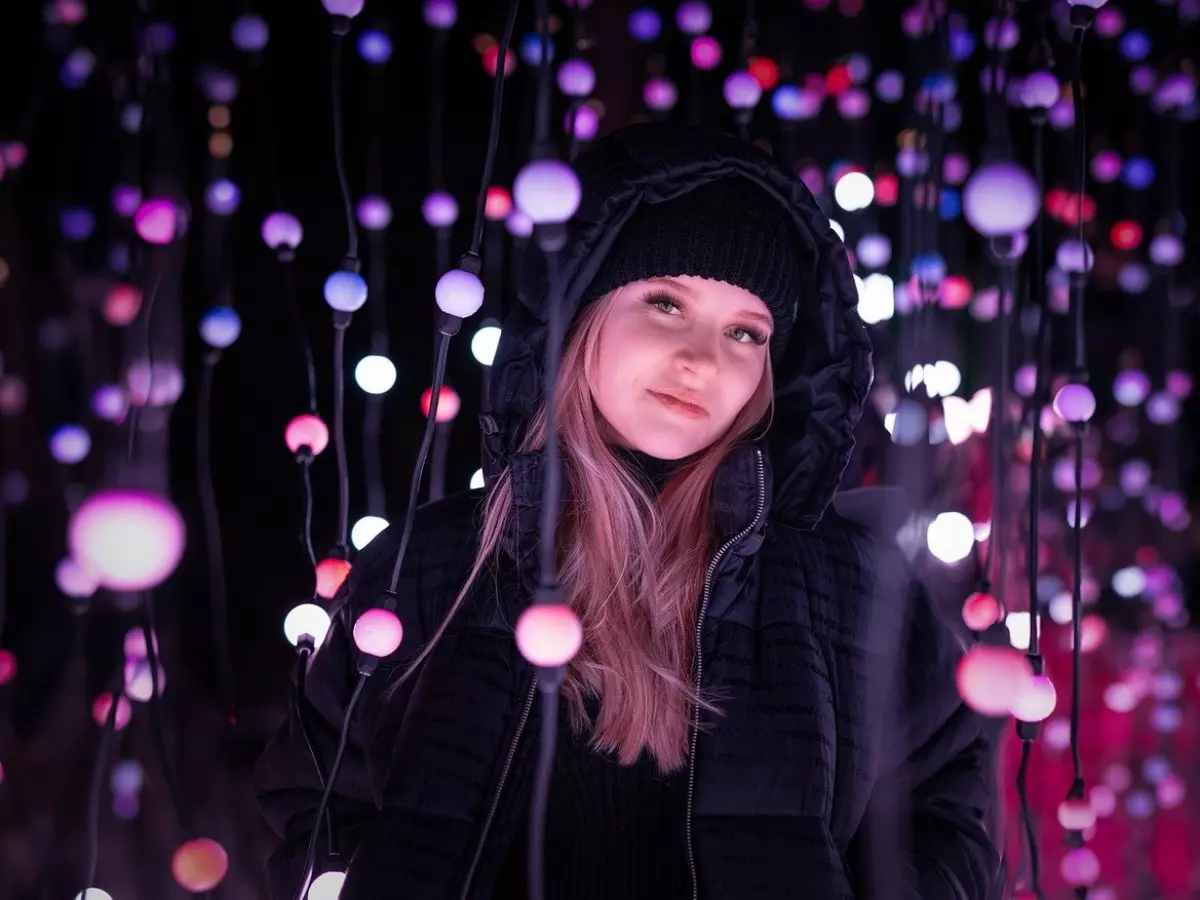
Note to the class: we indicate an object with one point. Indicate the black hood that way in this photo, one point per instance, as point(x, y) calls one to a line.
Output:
point(821, 378)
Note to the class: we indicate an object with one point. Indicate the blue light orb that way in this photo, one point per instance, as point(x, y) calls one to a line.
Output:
point(375, 46)
point(345, 291)
point(220, 327)
point(1135, 45)
point(222, 197)
point(962, 44)
point(645, 24)
point(250, 33)
point(78, 223)
point(1137, 173)
point(530, 49)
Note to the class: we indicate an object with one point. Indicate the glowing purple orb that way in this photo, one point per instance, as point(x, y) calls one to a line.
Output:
point(378, 632)
point(706, 53)
point(347, 8)
point(440, 210)
point(250, 33)
point(110, 403)
point(440, 14)
point(742, 90)
point(131, 540)
point(1039, 90)
point(548, 191)
point(70, 444)
point(582, 123)
point(222, 197)
point(1075, 402)
point(374, 213)
point(576, 78)
point(644, 24)
point(693, 17)
point(1001, 199)
point(282, 229)
point(125, 200)
point(660, 94)
point(155, 220)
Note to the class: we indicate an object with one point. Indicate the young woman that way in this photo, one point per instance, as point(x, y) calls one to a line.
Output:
point(764, 705)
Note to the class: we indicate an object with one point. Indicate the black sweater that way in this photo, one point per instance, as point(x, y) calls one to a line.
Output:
point(612, 831)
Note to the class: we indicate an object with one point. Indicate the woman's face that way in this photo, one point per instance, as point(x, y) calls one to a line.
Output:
point(702, 341)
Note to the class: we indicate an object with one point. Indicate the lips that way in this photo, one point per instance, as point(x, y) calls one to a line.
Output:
point(683, 407)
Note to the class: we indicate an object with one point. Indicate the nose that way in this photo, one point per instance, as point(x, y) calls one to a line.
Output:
point(698, 358)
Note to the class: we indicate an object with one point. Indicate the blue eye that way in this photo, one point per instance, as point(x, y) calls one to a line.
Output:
point(757, 336)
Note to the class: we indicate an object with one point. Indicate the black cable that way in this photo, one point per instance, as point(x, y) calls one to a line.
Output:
point(285, 255)
point(489, 160)
point(1081, 158)
point(1077, 606)
point(1035, 866)
point(303, 653)
point(339, 434)
point(212, 529)
point(306, 479)
point(338, 151)
point(541, 121)
point(156, 719)
point(96, 786)
point(535, 852)
point(323, 806)
point(414, 489)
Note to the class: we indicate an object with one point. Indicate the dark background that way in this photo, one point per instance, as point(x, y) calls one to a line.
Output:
point(76, 154)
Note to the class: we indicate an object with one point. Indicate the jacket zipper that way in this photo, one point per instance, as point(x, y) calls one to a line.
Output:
point(699, 666)
point(512, 752)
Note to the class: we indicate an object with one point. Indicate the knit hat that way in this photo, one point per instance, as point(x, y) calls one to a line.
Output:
point(728, 230)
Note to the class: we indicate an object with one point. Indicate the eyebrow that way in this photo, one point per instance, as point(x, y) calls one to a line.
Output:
point(691, 292)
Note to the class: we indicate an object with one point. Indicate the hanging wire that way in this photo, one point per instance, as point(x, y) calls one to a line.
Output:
point(339, 151)
point(489, 160)
point(212, 529)
point(96, 787)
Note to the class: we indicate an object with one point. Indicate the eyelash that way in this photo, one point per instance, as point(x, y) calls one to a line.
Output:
point(759, 337)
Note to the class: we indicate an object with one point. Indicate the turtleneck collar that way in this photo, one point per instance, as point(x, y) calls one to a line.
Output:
point(655, 471)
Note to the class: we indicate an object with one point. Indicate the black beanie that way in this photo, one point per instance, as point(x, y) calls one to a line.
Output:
point(729, 230)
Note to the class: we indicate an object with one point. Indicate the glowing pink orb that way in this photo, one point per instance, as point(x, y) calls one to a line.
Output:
point(8, 666)
point(155, 220)
point(131, 540)
point(449, 403)
point(582, 122)
point(981, 611)
point(121, 304)
point(378, 632)
point(331, 575)
point(282, 229)
point(135, 644)
point(1080, 867)
point(139, 680)
point(199, 865)
point(102, 706)
point(549, 634)
point(73, 579)
point(1035, 700)
point(706, 53)
point(306, 431)
point(991, 678)
point(1076, 815)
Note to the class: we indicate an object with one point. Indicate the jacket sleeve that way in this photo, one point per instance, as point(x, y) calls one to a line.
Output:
point(285, 778)
point(927, 812)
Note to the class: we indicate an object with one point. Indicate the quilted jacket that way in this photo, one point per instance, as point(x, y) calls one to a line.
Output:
point(845, 765)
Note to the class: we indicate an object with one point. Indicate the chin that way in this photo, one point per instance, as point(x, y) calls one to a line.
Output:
point(669, 447)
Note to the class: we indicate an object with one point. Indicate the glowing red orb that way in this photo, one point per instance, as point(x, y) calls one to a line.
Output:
point(331, 574)
point(765, 71)
point(498, 204)
point(102, 706)
point(448, 404)
point(981, 611)
point(8, 666)
point(199, 865)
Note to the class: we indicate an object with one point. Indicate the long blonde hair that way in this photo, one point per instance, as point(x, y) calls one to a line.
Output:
point(632, 567)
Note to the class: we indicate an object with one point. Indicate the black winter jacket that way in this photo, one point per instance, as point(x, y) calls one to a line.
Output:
point(845, 764)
